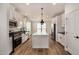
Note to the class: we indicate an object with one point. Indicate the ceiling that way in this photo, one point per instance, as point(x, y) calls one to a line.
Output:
point(33, 10)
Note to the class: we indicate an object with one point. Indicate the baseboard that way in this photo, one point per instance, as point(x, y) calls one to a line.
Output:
point(22, 43)
point(60, 44)
point(68, 53)
point(25, 41)
point(11, 52)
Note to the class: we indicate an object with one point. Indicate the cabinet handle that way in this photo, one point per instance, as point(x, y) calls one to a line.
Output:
point(77, 37)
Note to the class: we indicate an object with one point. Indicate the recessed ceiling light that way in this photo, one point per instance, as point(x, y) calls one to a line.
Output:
point(27, 3)
point(53, 3)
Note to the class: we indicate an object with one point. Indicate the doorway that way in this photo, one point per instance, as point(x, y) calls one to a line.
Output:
point(54, 32)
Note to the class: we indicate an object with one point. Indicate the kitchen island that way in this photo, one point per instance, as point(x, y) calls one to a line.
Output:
point(40, 40)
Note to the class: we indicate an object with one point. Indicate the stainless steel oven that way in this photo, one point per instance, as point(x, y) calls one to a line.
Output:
point(12, 24)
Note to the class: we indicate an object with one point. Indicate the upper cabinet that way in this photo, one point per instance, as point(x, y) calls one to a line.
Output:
point(15, 16)
point(63, 20)
point(11, 13)
point(60, 23)
point(59, 20)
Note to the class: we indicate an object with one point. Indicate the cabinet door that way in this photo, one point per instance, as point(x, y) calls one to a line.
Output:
point(11, 13)
point(62, 39)
point(10, 41)
point(73, 32)
point(58, 39)
point(24, 37)
point(63, 20)
point(44, 41)
point(36, 41)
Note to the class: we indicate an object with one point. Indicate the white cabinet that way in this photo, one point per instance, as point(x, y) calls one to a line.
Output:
point(60, 24)
point(44, 41)
point(24, 37)
point(35, 41)
point(10, 41)
point(63, 20)
point(40, 40)
point(11, 12)
point(61, 39)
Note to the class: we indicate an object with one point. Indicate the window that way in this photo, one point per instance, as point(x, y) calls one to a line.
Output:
point(28, 26)
point(41, 28)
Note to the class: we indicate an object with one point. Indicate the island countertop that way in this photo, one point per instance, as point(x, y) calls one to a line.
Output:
point(40, 33)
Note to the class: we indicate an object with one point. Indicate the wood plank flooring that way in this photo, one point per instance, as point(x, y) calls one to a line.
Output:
point(26, 49)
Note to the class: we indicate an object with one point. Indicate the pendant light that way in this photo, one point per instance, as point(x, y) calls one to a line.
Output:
point(42, 22)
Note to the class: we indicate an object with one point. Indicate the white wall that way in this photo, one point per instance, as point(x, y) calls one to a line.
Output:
point(4, 32)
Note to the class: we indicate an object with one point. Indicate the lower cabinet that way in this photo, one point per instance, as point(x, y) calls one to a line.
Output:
point(40, 41)
point(24, 37)
point(10, 41)
point(61, 39)
point(44, 41)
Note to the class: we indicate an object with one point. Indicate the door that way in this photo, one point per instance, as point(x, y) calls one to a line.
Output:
point(76, 33)
point(54, 32)
point(72, 32)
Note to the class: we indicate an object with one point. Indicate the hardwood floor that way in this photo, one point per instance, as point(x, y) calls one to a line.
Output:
point(26, 49)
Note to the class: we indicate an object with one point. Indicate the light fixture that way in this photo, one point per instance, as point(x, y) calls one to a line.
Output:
point(53, 3)
point(27, 3)
point(42, 16)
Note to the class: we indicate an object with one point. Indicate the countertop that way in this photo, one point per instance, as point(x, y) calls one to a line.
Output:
point(40, 33)
point(14, 32)
point(62, 33)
